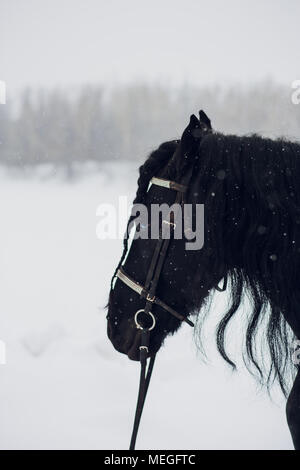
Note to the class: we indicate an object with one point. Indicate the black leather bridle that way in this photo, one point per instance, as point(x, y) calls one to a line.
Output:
point(148, 292)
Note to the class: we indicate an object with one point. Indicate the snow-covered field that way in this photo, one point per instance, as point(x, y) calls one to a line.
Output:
point(64, 386)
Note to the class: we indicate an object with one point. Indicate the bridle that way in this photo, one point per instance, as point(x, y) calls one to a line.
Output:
point(145, 294)
point(148, 292)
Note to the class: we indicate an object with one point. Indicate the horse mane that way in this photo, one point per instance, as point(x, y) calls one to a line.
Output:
point(250, 188)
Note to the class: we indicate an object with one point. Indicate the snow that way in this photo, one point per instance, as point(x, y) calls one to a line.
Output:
point(64, 386)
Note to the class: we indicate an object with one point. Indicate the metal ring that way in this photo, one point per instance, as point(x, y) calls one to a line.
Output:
point(137, 323)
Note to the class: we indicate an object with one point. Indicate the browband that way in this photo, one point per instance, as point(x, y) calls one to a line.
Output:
point(169, 184)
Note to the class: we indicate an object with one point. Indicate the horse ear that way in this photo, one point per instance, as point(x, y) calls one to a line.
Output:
point(190, 133)
point(204, 121)
point(191, 136)
point(187, 144)
point(194, 122)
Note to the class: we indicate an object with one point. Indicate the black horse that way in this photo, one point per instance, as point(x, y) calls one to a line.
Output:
point(250, 188)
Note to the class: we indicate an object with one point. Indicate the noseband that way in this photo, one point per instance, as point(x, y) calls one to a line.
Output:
point(148, 292)
point(145, 294)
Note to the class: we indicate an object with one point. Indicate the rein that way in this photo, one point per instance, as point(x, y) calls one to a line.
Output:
point(148, 291)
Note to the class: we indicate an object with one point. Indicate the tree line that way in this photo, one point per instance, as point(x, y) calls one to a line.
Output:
point(98, 124)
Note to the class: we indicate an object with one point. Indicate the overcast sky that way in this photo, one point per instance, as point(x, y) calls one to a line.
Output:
point(62, 42)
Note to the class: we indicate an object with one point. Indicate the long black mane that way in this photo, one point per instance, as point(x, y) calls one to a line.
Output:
point(250, 187)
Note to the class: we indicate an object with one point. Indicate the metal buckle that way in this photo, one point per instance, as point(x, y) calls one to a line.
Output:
point(149, 298)
point(139, 327)
point(169, 223)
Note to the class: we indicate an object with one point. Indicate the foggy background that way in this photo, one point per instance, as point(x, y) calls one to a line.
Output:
point(91, 88)
point(95, 80)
